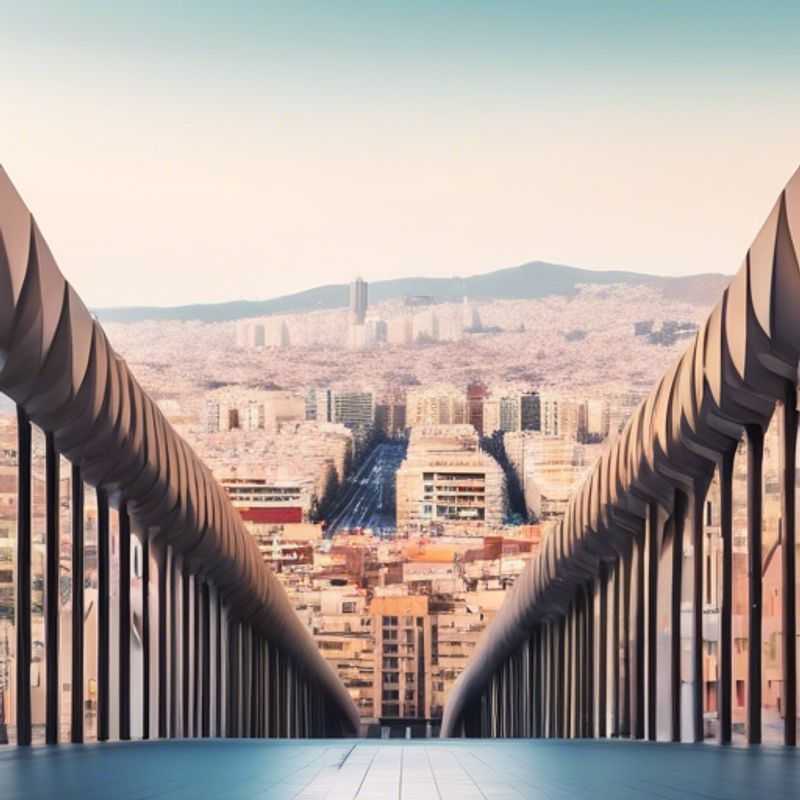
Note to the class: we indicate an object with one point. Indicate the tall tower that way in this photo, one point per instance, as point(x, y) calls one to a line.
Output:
point(358, 301)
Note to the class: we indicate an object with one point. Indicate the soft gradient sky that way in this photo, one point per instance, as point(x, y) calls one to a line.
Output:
point(196, 151)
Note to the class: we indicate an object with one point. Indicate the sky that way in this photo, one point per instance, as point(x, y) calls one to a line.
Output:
point(176, 153)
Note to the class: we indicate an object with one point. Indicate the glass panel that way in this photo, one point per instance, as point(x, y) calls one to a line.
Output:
point(740, 597)
point(772, 706)
point(712, 603)
point(8, 549)
point(38, 566)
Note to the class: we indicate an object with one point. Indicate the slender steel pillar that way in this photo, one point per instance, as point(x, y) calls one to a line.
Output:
point(255, 702)
point(726, 609)
point(697, 505)
point(197, 664)
point(186, 655)
point(24, 636)
point(615, 649)
point(625, 689)
point(788, 556)
point(560, 666)
point(162, 565)
point(234, 636)
point(267, 684)
point(638, 612)
point(173, 645)
point(124, 623)
point(76, 698)
point(542, 662)
point(576, 650)
point(568, 667)
point(273, 694)
point(589, 668)
point(52, 589)
point(653, 544)
point(218, 666)
point(103, 618)
point(681, 508)
point(548, 689)
point(755, 456)
point(146, 665)
point(602, 652)
point(206, 672)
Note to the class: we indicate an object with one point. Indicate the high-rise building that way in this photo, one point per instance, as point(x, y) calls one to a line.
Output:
point(501, 414)
point(358, 301)
point(390, 413)
point(476, 394)
point(563, 417)
point(549, 470)
point(445, 478)
point(530, 411)
point(354, 409)
point(511, 412)
point(436, 405)
point(403, 646)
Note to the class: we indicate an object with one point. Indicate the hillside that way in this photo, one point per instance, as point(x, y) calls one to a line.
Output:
point(529, 281)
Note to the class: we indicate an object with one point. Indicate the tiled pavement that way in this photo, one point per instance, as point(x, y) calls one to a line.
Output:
point(401, 770)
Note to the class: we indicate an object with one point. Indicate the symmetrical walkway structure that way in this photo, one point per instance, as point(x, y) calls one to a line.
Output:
point(603, 634)
point(220, 650)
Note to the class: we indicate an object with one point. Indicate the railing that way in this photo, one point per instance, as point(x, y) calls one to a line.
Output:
point(211, 646)
point(603, 633)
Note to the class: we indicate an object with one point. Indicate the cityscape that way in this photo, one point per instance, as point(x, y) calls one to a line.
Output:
point(397, 509)
point(399, 401)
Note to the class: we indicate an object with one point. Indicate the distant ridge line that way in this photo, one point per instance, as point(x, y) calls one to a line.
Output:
point(530, 281)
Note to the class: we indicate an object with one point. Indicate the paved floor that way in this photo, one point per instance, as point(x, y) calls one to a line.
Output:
point(411, 770)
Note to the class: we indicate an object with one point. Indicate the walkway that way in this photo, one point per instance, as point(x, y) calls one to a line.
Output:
point(411, 770)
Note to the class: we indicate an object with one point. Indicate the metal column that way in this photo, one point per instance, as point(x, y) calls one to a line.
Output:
point(24, 635)
point(788, 555)
point(52, 589)
point(726, 610)
point(76, 715)
point(103, 618)
point(146, 665)
point(755, 456)
point(124, 624)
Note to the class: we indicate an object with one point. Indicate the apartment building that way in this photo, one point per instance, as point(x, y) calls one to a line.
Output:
point(403, 647)
point(437, 405)
point(446, 478)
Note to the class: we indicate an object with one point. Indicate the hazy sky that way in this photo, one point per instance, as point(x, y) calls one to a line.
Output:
point(186, 152)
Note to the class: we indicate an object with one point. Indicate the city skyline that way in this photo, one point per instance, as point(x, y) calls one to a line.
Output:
point(265, 149)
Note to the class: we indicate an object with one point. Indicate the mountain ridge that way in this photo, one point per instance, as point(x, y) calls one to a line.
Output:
point(529, 281)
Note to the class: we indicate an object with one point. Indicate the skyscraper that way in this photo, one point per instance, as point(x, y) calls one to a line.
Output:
point(358, 301)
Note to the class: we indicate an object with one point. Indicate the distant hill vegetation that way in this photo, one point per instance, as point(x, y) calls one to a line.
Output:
point(530, 281)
